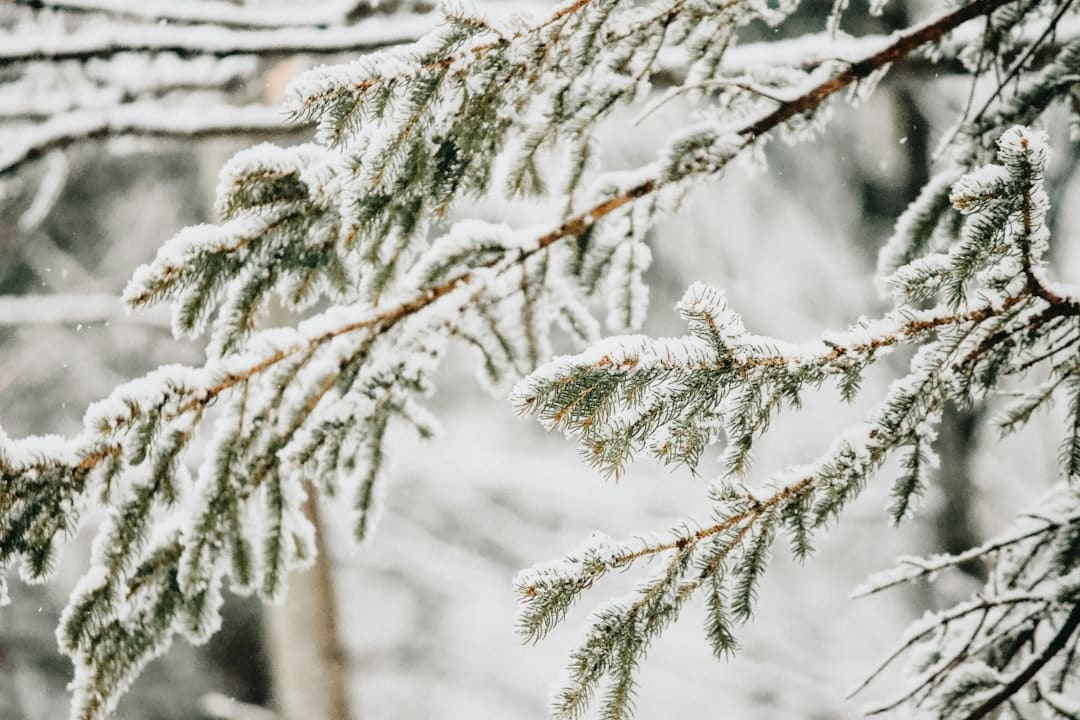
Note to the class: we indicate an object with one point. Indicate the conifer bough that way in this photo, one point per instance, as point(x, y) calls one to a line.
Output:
point(355, 219)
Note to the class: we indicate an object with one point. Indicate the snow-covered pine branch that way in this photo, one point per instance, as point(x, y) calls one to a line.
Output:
point(352, 220)
point(675, 397)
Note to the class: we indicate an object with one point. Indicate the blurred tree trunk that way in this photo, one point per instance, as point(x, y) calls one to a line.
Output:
point(308, 664)
point(951, 520)
point(954, 525)
point(882, 200)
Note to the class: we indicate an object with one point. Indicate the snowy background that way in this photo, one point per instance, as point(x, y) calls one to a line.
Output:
point(427, 608)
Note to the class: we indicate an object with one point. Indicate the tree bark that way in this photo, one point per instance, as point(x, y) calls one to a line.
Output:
point(308, 664)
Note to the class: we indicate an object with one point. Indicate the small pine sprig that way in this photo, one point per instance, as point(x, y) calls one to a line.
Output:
point(931, 224)
point(999, 317)
point(282, 232)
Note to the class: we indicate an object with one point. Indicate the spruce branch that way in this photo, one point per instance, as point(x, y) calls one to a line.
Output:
point(402, 136)
point(676, 396)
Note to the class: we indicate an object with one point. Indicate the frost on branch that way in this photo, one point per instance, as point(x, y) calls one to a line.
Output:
point(282, 413)
point(997, 317)
point(1016, 629)
point(282, 232)
point(930, 224)
point(346, 232)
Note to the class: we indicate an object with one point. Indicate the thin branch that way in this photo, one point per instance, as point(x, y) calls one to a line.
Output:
point(211, 12)
point(141, 119)
point(1055, 350)
point(191, 41)
point(60, 309)
point(936, 564)
point(1072, 622)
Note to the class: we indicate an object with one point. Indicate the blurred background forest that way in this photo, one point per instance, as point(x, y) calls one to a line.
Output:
point(114, 120)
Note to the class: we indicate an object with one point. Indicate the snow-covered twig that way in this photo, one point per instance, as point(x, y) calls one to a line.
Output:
point(142, 119)
point(107, 40)
point(913, 568)
point(61, 309)
point(210, 12)
point(101, 41)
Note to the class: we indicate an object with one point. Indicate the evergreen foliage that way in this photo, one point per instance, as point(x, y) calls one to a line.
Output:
point(998, 317)
point(348, 233)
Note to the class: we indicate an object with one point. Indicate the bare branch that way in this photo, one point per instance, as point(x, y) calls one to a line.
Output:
point(60, 309)
point(189, 41)
point(1072, 622)
point(211, 12)
point(142, 119)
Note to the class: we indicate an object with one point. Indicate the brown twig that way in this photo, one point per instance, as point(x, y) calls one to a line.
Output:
point(751, 514)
